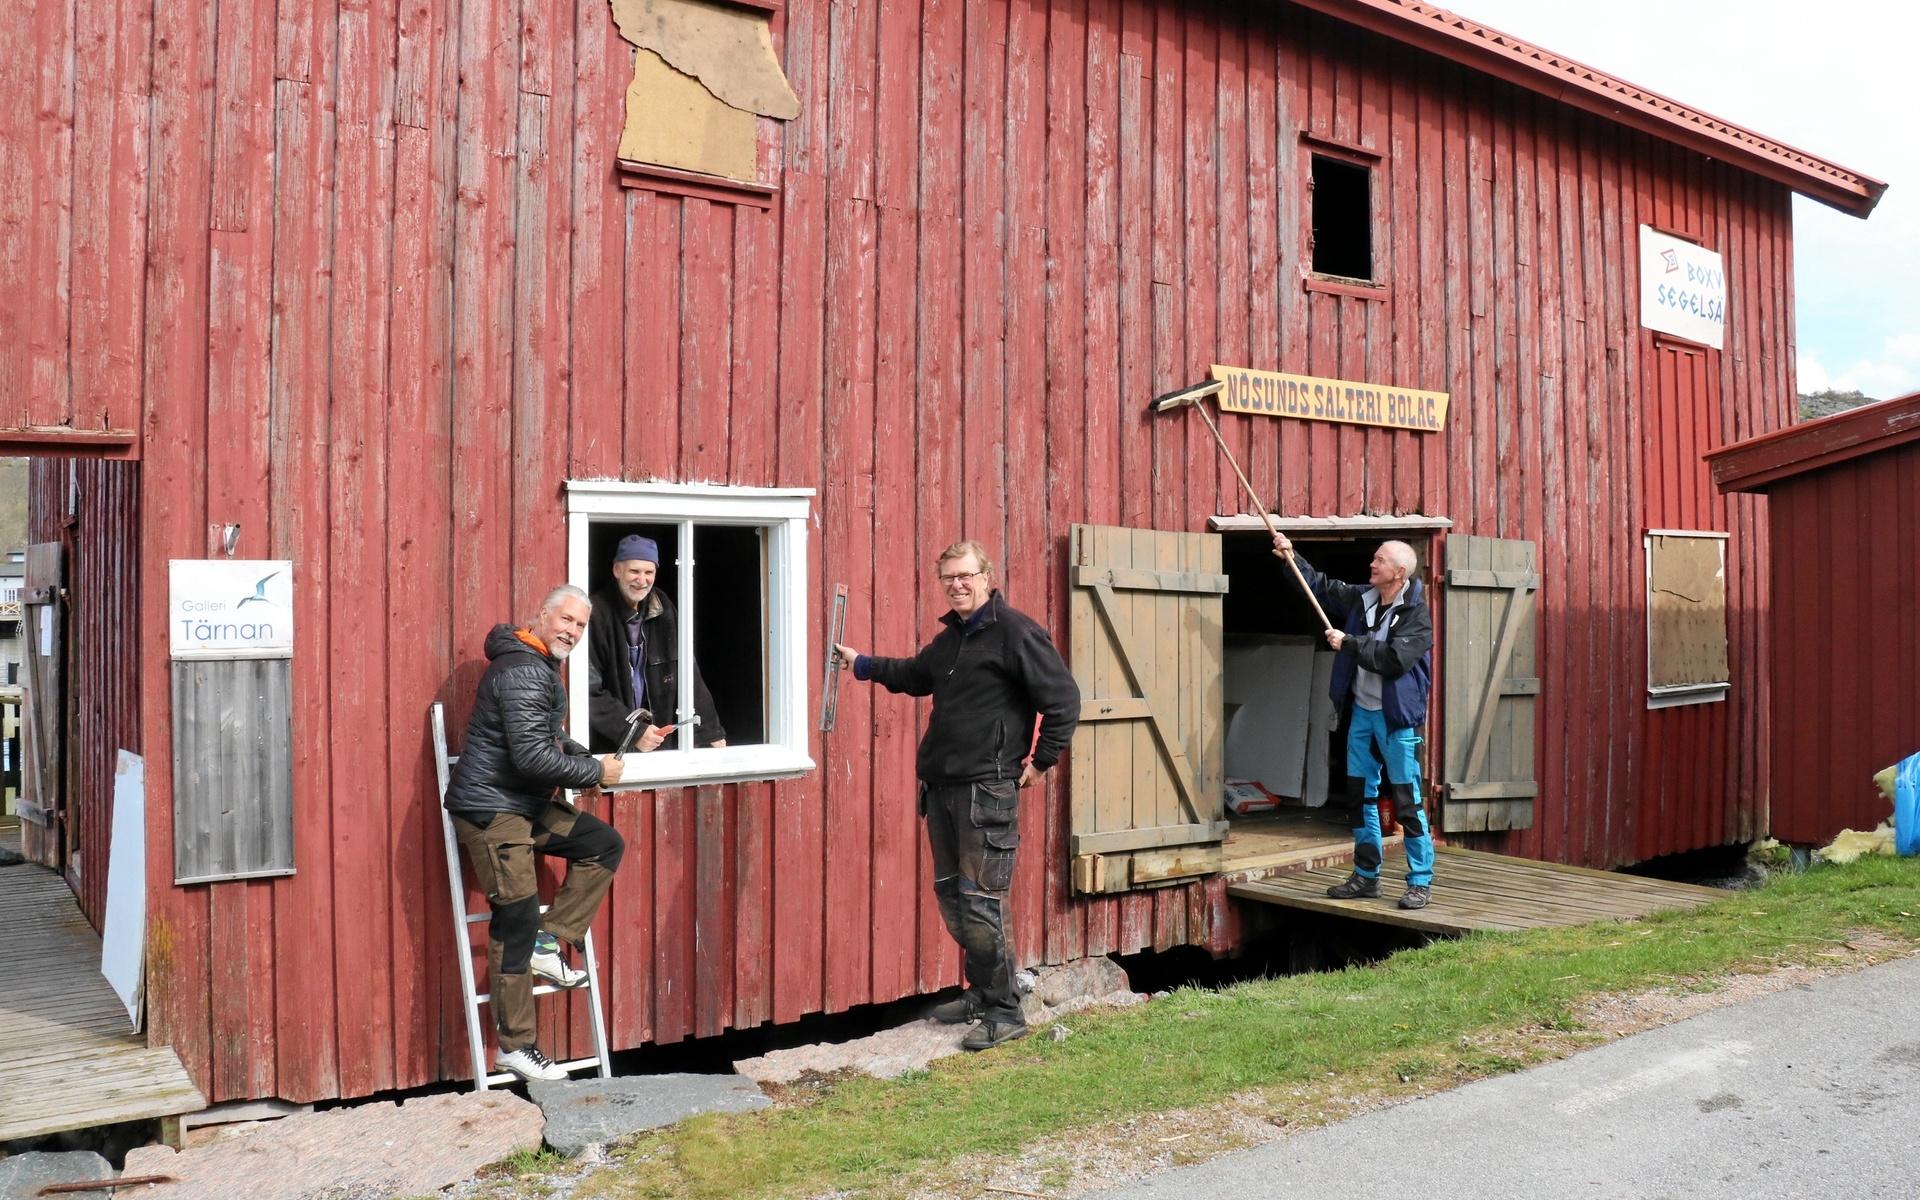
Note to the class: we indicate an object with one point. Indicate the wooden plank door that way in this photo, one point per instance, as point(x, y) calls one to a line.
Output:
point(1491, 687)
point(1145, 624)
point(43, 712)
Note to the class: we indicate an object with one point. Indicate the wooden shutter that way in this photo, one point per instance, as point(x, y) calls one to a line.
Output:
point(43, 708)
point(1491, 688)
point(1145, 625)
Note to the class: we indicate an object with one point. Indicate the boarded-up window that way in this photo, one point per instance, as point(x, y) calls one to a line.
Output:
point(1686, 617)
point(703, 75)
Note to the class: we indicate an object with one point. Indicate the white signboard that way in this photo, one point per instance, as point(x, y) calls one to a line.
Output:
point(124, 938)
point(230, 608)
point(1683, 289)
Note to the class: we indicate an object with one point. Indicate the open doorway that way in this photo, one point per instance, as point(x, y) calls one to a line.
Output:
point(1285, 751)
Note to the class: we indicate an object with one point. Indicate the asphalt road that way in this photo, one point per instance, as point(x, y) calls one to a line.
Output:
point(1809, 1092)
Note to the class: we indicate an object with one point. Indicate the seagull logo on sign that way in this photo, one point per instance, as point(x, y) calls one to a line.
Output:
point(259, 593)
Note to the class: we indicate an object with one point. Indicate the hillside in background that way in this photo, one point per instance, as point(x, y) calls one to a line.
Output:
point(1829, 402)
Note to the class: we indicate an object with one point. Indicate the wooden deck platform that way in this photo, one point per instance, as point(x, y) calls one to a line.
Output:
point(1290, 839)
point(1474, 890)
point(72, 1058)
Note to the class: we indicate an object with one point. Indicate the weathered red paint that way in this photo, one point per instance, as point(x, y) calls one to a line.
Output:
point(1843, 506)
point(369, 284)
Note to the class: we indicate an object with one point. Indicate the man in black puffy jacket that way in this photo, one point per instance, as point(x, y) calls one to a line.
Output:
point(508, 804)
point(990, 671)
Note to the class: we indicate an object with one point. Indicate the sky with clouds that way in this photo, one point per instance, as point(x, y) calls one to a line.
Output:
point(1837, 78)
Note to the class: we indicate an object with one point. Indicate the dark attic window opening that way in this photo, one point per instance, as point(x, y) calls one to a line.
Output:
point(1342, 218)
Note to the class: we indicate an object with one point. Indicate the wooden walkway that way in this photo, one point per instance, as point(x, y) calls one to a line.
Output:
point(70, 1057)
point(1474, 890)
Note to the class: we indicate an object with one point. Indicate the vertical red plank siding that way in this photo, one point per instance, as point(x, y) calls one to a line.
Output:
point(173, 508)
point(239, 403)
point(799, 922)
point(1854, 537)
point(394, 296)
point(848, 490)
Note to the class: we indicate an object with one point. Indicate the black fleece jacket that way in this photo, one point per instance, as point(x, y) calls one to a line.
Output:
point(988, 681)
point(517, 752)
point(611, 696)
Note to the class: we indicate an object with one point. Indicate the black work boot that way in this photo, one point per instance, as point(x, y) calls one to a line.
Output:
point(990, 1033)
point(958, 1011)
point(1355, 887)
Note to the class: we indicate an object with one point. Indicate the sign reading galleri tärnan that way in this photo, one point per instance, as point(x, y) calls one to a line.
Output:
point(1310, 398)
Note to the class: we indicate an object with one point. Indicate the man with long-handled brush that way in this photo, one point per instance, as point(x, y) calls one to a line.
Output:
point(1381, 674)
point(1382, 670)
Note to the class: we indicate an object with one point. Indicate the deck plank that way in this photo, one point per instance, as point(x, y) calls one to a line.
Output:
point(1475, 890)
point(73, 1061)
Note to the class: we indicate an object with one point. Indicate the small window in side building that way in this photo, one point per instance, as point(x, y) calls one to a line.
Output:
point(1342, 218)
point(1686, 618)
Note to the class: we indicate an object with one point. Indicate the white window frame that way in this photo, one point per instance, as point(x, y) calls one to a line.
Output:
point(1676, 695)
point(784, 513)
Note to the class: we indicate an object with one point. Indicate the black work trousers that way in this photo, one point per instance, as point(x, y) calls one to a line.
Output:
point(973, 829)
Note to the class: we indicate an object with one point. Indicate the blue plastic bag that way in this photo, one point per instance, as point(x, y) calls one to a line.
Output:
point(1906, 806)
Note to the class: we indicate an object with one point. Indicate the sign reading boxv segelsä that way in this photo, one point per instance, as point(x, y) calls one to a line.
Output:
point(230, 608)
point(1683, 289)
point(1311, 398)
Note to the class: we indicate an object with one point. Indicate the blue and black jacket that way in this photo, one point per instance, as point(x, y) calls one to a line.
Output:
point(1403, 661)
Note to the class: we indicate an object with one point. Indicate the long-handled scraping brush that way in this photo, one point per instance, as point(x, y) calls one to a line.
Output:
point(1192, 397)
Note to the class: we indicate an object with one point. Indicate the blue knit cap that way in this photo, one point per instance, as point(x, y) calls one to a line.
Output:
point(634, 546)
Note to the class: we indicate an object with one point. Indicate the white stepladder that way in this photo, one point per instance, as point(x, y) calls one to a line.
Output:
point(463, 923)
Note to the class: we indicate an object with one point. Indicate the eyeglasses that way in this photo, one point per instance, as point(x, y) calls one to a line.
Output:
point(959, 577)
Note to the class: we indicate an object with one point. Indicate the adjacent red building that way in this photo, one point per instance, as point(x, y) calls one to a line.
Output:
point(1843, 513)
point(367, 289)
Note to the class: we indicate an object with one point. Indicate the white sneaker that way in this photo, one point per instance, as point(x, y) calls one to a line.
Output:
point(529, 1064)
point(551, 965)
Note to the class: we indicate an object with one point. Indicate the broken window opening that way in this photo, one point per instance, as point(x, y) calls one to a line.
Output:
point(1342, 218)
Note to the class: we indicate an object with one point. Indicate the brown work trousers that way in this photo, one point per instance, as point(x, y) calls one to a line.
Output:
point(502, 853)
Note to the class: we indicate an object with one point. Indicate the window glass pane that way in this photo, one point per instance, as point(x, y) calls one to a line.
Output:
point(730, 638)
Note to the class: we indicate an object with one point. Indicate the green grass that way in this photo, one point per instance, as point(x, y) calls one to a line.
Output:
point(528, 1162)
point(1422, 1018)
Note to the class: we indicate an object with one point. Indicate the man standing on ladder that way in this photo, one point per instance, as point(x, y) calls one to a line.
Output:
point(1382, 670)
point(507, 803)
point(990, 670)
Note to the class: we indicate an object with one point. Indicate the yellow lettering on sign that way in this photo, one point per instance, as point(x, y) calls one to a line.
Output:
point(1308, 397)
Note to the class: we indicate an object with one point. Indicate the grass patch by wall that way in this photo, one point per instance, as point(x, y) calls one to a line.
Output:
point(1428, 1013)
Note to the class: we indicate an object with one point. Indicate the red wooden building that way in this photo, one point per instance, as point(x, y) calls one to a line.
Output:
point(1843, 509)
point(366, 287)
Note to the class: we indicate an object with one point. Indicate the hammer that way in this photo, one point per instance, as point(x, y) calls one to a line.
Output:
point(637, 722)
point(1191, 397)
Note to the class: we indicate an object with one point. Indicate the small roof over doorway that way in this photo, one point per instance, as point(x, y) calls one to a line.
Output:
point(1334, 526)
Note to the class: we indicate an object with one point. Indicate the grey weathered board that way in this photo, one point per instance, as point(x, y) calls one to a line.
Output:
point(1491, 686)
point(1145, 625)
point(42, 705)
point(232, 769)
